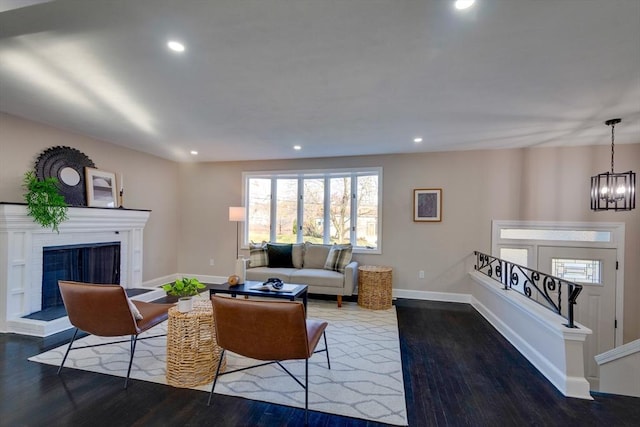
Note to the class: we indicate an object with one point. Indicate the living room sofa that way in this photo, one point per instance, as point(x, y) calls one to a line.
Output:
point(326, 269)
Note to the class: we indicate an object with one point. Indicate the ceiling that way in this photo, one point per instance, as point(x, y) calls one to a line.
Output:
point(337, 77)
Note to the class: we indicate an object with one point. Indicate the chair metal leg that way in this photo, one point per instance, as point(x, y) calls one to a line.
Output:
point(326, 347)
point(68, 349)
point(306, 392)
point(134, 340)
point(215, 380)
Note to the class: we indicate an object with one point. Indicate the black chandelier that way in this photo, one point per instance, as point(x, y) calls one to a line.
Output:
point(610, 190)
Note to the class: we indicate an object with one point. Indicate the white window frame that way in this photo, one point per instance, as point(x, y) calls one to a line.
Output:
point(353, 173)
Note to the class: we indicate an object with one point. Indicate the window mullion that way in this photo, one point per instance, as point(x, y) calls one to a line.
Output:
point(354, 209)
point(326, 233)
point(273, 207)
point(300, 210)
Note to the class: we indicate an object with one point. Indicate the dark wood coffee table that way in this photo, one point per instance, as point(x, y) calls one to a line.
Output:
point(300, 291)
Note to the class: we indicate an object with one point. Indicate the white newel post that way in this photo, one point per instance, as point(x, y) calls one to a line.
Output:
point(21, 247)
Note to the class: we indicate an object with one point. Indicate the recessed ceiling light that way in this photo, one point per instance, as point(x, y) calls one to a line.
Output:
point(464, 4)
point(297, 147)
point(417, 139)
point(175, 46)
point(194, 153)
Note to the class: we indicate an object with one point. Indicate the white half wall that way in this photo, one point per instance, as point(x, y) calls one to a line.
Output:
point(539, 334)
point(620, 370)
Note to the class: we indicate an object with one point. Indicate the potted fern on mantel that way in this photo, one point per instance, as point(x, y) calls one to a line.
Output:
point(45, 204)
point(184, 289)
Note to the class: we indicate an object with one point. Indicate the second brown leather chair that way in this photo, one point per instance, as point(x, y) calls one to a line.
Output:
point(267, 330)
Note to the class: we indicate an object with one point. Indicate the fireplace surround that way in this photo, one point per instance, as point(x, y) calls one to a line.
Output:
point(21, 254)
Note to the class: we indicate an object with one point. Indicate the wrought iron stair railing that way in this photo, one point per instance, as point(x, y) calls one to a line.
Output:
point(540, 287)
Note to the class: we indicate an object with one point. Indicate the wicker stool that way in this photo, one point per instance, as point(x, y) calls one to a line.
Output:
point(192, 350)
point(374, 287)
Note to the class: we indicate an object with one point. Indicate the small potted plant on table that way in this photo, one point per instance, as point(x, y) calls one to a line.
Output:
point(184, 289)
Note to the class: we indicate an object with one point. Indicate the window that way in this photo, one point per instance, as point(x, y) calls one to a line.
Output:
point(552, 234)
point(518, 256)
point(577, 270)
point(313, 208)
point(259, 209)
point(336, 206)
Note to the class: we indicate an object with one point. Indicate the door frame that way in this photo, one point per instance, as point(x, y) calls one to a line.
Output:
point(616, 241)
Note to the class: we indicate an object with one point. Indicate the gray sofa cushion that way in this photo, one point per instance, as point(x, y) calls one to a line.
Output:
point(315, 256)
point(261, 274)
point(318, 277)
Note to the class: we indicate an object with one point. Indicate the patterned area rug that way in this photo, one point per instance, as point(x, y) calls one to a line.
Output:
point(365, 380)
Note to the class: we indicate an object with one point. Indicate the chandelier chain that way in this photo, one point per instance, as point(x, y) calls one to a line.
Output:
point(613, 125)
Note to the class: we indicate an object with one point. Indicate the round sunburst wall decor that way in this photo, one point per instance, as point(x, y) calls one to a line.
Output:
point(67, 165)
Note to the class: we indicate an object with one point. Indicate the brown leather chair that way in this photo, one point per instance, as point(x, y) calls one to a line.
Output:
point(104, 310)
point(267, 330)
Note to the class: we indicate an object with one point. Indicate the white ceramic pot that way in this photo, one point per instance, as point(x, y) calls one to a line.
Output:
point(185, 304)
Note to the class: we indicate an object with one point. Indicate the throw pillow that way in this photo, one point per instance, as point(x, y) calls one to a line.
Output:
point(338, 258)
point(315, 256)
point(279, 255)
point(258, 256)
point(134, 310)
point(297, 255)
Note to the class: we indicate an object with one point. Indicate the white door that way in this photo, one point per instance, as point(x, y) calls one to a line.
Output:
point(595, 270)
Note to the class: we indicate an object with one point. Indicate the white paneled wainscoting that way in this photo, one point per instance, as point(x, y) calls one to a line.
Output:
point(22, 243)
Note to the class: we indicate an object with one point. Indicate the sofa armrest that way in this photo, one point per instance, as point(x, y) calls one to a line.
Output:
point(351, 278)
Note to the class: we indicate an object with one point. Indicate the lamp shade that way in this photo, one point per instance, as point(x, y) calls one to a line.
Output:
point(236, 213)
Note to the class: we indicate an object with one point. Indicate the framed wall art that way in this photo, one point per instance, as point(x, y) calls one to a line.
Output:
point(427, 205)
point(101, 188)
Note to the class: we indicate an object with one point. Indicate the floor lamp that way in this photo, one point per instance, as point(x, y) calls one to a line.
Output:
point(237, 215)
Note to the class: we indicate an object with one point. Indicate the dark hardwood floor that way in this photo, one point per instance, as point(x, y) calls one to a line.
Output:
point(458, 371)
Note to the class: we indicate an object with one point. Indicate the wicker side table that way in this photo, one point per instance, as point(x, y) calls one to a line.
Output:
point(192, 350)
point(374, 287)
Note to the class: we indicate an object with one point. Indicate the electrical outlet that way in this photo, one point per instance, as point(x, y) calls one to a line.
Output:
point(211, 261)
point(421, 274)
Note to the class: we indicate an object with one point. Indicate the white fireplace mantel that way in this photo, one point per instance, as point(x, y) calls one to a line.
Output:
point(21, 246)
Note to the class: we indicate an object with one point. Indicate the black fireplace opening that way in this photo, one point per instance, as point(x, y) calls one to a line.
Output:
point(91, 263)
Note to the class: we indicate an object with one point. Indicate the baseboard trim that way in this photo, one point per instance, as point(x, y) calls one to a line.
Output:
point(432, 296)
